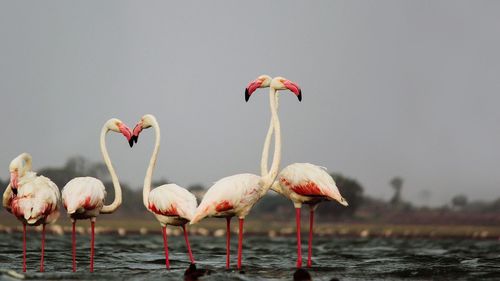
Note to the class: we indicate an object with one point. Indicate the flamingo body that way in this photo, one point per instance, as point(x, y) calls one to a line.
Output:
point(230, 196)
point(172, 204)
point(83, 197)
point(36, 200)
point(306, 183)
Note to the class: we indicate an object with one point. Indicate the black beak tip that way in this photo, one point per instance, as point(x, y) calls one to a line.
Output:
point(247, 96)
point(135, 138)
point(131, 142)
point(300, 95)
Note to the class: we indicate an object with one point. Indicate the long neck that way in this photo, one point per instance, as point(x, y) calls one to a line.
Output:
point(152, 164)
point(267, 144)
point(268, 178)
point(107, 209)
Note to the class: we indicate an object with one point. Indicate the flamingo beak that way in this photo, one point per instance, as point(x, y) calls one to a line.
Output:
point(294, 88)
point(252, 86)
point(127, 133)
point(137, 131)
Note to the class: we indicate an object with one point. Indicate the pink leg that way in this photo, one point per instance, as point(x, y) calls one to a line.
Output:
point(228, 240)
point(24, 247)
point(240, 243)
point(311, 223)
point(43, 248)
point(187, 244)
point(92, 239)
point(73, 237)
point(299, 247)
point(165, 244)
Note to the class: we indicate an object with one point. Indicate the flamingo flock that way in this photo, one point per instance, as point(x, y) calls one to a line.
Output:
point(34, 199)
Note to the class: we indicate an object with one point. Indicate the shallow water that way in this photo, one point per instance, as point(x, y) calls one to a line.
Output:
point(137, 257)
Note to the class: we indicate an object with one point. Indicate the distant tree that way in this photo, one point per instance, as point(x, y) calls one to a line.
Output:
point(459, 201)
point(198, 190)
point(397, 185)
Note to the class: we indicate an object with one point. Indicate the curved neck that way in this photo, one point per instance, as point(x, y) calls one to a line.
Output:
point(267, 144)
point(106, 209)
point(152, 163)
point(268, 178)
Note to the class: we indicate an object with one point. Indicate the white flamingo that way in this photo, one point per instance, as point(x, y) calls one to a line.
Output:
point(236, 195)
point(302, 183)
point(83, 197)
point(32, 199)
point(170, 203)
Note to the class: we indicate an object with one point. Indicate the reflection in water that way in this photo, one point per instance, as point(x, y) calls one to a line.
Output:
point(136, 257)
point(301, 275)
point(192, 273)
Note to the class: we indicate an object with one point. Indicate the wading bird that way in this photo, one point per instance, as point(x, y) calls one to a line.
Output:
point(236, 195)
point(83, 197)
point(170, 203)
point(32, 199)
point(302, 183)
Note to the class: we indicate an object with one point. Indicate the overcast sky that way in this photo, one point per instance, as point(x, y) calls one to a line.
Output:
point(408, 88)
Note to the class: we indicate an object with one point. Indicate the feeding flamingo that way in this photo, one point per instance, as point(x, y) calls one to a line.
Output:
point(170, 203)
point(32, 199)
point(235, 195)
point(83, 197)
point(302, 183)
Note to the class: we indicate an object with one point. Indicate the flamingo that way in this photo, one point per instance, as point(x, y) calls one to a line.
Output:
point(83, 197)
point(32, 199)
point(302, 183)
point(235, 195)
point(170, 203)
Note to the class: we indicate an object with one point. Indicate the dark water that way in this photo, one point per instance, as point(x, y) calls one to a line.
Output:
point(136, 257)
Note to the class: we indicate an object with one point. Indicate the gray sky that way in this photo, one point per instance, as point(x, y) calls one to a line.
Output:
point(407, 88)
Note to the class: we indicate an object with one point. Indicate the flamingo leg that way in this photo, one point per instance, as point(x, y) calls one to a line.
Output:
point(240, 243)
point(24, 247)
point(187, 244)
point(311, 223)
point(43, 249)
point(92, 240)
point(228, 240)
point(299, 247)
point(73, 238)
point(165, 244)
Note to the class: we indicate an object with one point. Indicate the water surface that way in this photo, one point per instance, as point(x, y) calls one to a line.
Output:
point(140, 257)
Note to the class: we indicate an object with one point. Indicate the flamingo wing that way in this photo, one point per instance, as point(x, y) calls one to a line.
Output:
point(233, 195)
point(172, 200)
point(306, 179)
point(36, 200)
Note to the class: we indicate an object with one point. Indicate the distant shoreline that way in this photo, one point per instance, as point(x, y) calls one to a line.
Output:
point(216, 228)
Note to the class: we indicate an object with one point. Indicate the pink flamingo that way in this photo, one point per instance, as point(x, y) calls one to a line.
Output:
point(302, 183)
point(83, 197)
point(235, 195)
point(170, 203)
point(32, 199)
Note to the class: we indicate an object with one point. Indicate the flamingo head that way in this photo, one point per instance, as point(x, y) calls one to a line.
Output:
point(280, 83)
point(18, 167)
point(118, 126)
point(146, 122)
point(262, 81)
